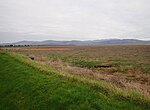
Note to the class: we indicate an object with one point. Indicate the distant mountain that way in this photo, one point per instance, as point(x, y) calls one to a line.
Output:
point(24, 43)
point(77, 42)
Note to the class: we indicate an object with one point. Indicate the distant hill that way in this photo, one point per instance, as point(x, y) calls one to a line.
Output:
point(77, 42)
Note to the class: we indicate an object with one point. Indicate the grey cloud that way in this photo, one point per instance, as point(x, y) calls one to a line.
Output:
point(73, 19)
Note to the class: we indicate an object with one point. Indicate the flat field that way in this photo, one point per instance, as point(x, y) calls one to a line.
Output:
point(116, 68)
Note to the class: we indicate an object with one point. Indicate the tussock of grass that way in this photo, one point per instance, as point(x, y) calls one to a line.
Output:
point(56, 57)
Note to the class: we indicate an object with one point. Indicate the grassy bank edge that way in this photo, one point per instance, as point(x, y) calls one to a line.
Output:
point(102, 86)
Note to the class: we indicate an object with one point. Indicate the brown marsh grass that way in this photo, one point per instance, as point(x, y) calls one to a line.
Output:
point(127, 66)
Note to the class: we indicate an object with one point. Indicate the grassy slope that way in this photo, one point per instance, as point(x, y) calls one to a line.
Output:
point(24, 87)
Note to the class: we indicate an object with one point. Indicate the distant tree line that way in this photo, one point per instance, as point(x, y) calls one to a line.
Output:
point(15, 45)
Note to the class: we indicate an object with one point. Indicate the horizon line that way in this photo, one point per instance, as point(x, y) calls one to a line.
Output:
point(69, 40)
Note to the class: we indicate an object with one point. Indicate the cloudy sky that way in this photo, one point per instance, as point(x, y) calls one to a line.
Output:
point(74, 19)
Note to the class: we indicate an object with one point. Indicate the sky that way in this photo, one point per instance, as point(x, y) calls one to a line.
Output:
point(37, 20)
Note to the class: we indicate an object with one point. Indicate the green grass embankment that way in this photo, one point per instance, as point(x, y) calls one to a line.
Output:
point(26, 84)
